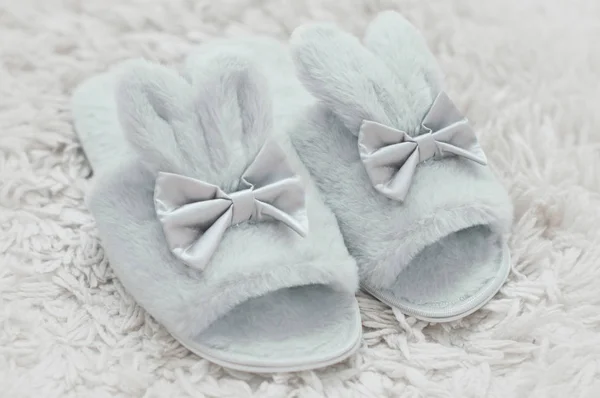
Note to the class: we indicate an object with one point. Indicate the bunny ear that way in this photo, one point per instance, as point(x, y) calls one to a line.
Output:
point(356, 85)
point(403, 49)
point(233, 106)
point(151, 100)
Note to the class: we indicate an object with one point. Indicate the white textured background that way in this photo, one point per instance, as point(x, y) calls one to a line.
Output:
point(527, 73)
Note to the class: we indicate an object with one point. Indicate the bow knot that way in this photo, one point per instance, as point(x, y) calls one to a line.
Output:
point(391, 156)
point(195, 214)
point(242, 203)
point(427, 146)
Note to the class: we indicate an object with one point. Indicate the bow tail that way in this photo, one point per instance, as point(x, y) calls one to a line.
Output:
point(199, 252)
point(296, 220)
point(475, 153)
point(458, 138)
point(397, 186)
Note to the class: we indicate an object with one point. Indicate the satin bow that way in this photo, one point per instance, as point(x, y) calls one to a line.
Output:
point(390, 156)
point(195, 214)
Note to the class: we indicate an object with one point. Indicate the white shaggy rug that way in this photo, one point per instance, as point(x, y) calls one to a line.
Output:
point(527, 74)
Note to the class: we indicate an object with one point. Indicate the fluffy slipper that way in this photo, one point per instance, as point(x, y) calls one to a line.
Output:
point(210, 221)
point(402, 170)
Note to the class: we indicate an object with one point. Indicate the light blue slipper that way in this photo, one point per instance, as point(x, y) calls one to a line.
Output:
point(401, 168)
point(210, 220)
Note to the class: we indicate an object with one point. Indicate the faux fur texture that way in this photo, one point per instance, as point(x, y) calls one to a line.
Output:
point(210, 129)
point(525, 74)
point(452, 269)
point(97, 122)
point(306, 324)
point(392, 79)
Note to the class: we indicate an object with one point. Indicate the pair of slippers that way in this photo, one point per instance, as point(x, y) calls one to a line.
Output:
point(243, 200)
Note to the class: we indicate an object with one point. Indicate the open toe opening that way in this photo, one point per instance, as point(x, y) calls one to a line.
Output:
point(287, 330)
point(452, 277)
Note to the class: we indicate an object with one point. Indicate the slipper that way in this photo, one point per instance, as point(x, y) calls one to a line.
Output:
point(401, 168)
point(210, 221)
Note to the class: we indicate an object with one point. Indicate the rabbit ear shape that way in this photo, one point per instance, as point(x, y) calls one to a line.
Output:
point(356, 85)
point(403, 49)
point(233, 105)
point(152, 100)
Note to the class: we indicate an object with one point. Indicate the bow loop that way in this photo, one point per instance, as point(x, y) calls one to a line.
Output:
point(391, 156)
point(195, 214)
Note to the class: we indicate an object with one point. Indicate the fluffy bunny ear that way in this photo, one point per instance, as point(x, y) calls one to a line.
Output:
point(392, 79)
point(403, 49)
point(233, 105)
point(337, 69)
point(152, 102)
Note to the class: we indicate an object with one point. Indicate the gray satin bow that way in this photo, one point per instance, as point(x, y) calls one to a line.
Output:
point(195, 214)
point(391, 156)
